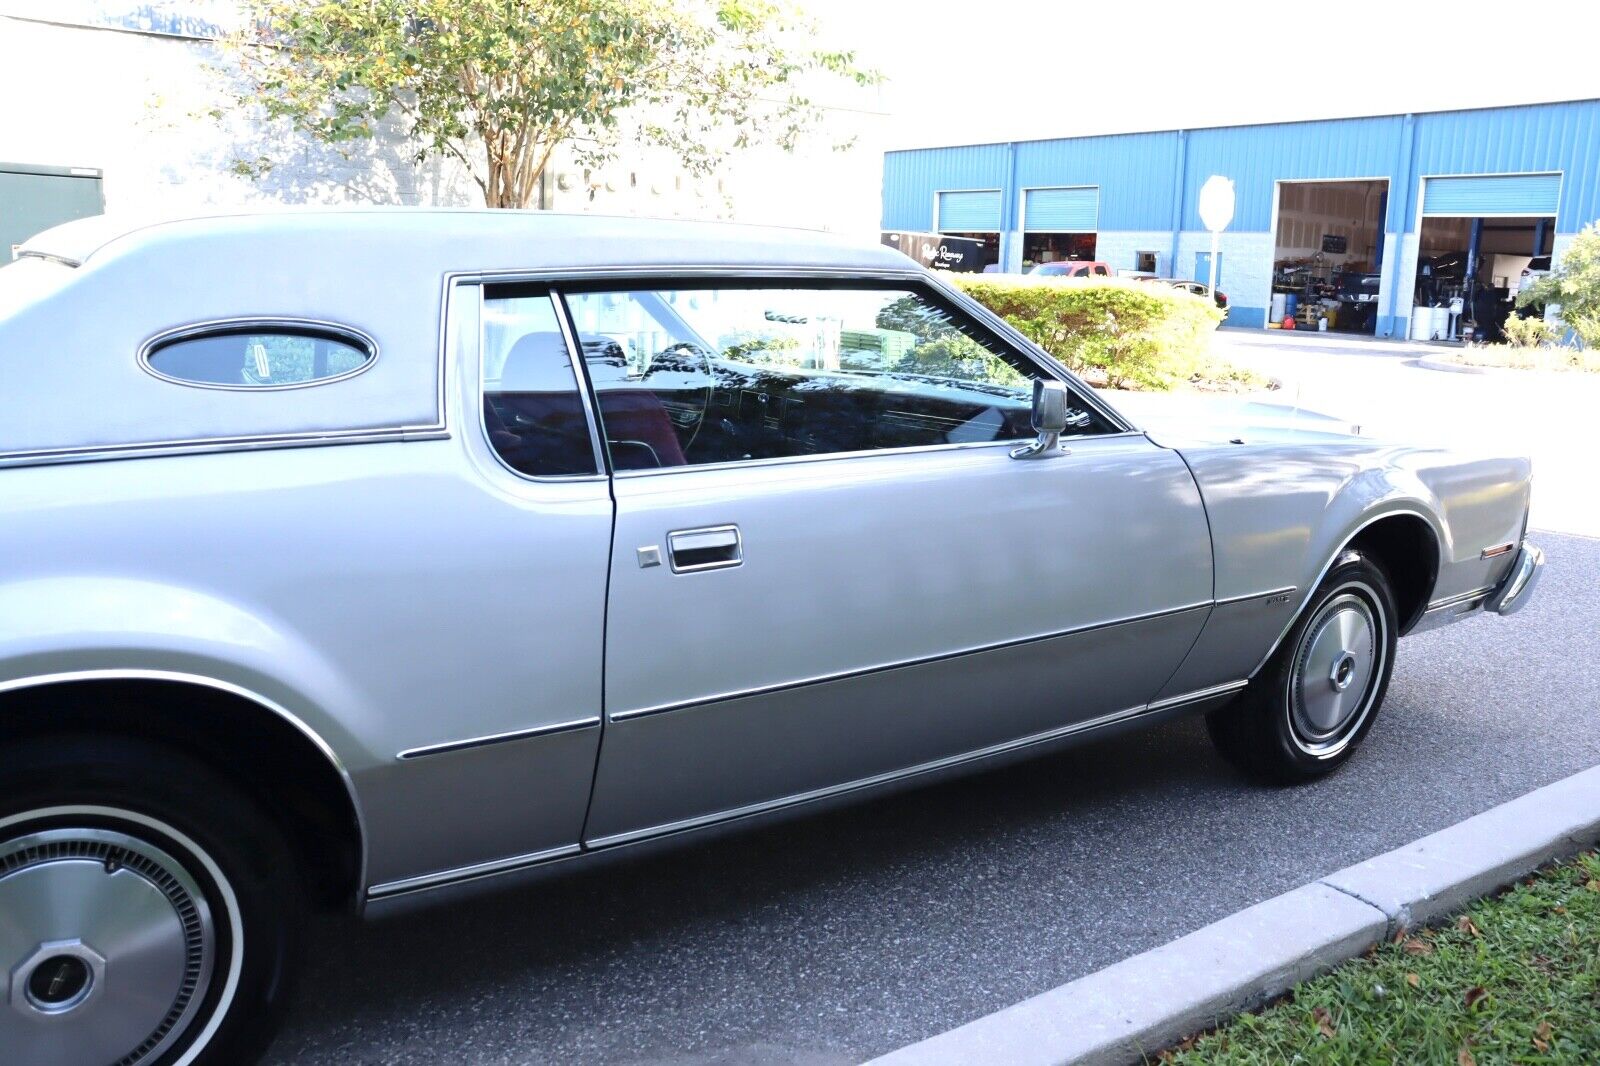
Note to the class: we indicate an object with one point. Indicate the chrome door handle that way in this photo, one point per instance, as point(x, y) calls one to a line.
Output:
point(709, 548)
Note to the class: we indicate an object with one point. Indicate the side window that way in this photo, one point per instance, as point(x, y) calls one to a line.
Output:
point(532, 409)
point(713, 375)
point(1101, 272)
point(260, 357)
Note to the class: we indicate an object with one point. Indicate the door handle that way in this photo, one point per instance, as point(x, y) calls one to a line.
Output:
point(710, 548)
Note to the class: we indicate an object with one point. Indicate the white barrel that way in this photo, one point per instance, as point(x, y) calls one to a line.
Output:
point(1421, 323)
point(1441, 322)
point(1278, 300)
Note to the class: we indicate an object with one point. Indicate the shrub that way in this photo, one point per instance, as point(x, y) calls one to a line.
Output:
point(1131, 334)
point(1528, 332)
point(1574, 285)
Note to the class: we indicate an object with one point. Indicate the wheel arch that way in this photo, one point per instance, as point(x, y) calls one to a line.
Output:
point(245, 736)
point(1400, 535)
point(1409, 550)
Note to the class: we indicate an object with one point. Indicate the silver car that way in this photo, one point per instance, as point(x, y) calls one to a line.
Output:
point(359, 559)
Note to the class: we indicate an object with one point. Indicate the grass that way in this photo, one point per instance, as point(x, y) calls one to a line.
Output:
point(1516, 979)
point(1210, 374)
point(1220, 376)
point(1511, 357)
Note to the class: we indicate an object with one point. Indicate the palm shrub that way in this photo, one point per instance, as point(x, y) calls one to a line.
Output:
point(1130, 334)
point(1574, 285)
point(1523, 331)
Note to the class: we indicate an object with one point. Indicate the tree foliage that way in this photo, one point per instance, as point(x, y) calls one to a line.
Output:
point(499, 85)
point(1574, 286)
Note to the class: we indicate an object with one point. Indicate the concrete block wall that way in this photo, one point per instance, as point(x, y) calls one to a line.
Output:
point(1119, 247)
point(1405, 279)
point(1389, 288)
point(1246, 274)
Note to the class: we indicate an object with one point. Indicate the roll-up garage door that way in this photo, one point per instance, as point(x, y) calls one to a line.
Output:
point(1492, 194)
point(969, 212)
point(1061, 210)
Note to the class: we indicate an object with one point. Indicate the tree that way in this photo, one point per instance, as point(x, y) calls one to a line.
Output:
point(1574, 285)
point(499, 85)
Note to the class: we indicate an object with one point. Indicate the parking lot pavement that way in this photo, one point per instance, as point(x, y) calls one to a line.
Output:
point(1379, 386)
point(844, 935)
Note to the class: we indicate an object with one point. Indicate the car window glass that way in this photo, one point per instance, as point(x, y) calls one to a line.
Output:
point(254, 358)
point(712, 375)
point(533, 411)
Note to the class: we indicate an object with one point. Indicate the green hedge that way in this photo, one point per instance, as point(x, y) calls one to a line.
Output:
point(1126, 334)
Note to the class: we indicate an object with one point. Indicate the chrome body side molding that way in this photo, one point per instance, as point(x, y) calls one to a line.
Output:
point(721, 697)
point(469, 873)
point(447, 878)
point(498, 738)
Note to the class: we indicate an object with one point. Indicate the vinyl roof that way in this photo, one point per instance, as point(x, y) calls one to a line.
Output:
point(480, 239)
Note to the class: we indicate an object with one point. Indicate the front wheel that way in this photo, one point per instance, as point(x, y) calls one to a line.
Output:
point(146, 909)
point(1317, 697)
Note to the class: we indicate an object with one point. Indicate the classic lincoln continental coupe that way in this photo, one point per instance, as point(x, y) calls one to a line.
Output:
point(353, 559)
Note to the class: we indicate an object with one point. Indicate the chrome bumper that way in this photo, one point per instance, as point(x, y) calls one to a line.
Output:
point(1508, 597)
point(1517, 588)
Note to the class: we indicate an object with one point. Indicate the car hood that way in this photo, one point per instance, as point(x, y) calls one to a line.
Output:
point(1188, 418)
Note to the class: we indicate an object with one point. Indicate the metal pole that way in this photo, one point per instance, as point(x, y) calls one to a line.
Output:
point(1215, 237)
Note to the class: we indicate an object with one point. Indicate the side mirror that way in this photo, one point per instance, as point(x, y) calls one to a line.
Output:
point(1048, 420)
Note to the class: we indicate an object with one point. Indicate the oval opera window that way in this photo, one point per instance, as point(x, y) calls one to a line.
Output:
point(259, 355)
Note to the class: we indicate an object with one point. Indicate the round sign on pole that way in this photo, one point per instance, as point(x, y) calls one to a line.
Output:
point(1216, 203)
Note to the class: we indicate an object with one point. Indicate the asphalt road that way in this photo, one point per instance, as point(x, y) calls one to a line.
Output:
point(848, 934)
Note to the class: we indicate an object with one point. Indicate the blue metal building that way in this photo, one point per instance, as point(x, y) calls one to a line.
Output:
point(1389, 198)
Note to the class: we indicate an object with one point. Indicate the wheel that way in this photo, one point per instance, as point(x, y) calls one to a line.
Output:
point(1315, 699)
point(147, 908)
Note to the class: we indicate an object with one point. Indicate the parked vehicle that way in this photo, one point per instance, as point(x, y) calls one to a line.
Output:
point(354, 560)
point(1200, 288)
point(1538, 267)
point(1072, 268)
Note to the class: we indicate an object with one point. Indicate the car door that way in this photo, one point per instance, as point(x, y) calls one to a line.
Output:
point(827, 568)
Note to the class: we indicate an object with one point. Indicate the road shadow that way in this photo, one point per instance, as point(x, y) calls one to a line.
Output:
point(547, 931)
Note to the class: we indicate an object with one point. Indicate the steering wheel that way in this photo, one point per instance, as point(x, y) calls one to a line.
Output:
point(695, 353)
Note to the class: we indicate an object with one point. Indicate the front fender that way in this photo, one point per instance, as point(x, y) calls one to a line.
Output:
point(1280, 512)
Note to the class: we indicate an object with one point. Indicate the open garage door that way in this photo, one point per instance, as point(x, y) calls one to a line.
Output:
point(1483, 237)
point(1327, 258)
point(1059, 224)
point(1491, 196)
point(973, 214)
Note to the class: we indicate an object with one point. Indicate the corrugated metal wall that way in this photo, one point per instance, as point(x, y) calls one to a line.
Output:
point(1135, 173)
point(911, 178)
point(1256, 157)
point(1514, 140)
point(1138, 174)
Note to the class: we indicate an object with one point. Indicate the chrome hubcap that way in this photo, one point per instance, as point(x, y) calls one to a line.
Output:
point(106, 946)
point(1339, 658)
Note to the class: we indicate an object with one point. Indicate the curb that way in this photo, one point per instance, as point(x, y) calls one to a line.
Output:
point(1149, 1002)
point(1428, 362)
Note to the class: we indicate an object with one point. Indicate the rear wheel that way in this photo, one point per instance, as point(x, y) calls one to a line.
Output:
point(1317, 697)
point(148, 909)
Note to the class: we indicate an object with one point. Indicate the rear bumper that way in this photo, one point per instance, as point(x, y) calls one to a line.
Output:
point(1516, 589)
point(1509, 596)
